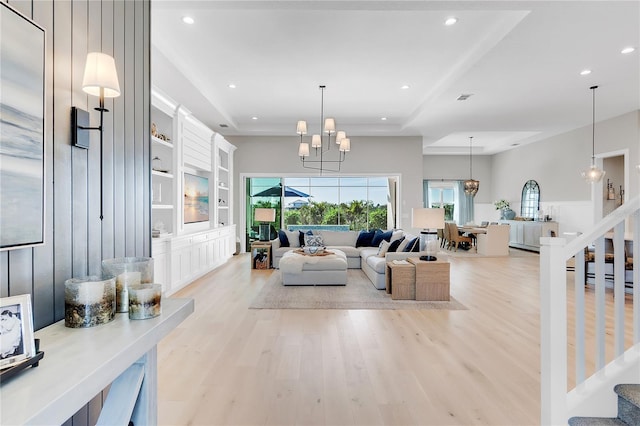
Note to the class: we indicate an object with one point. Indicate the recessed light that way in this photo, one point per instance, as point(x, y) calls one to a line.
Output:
point(404, 87)
point(232, 86)
point(585, 72)
point(450, 21)
point(254, 118)
point(383, 118)
point(188, 20)
point(627, 50)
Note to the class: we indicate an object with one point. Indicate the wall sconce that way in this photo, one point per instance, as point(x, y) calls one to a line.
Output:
point(100, 79)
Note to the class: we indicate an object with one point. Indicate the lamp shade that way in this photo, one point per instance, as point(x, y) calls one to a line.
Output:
point(303, 149)
point(339, 136)
point(301, 128)
point(330, 125)
point(345, 145)
point(265, 215)
point(316, 141)
point(427, 218)
point(100, 73)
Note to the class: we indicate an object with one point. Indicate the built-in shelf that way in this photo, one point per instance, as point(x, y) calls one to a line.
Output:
point(223, 187)
point(162, 206)
point(224, 169)
point(163, 174)
point(161, 142)
point(223, 207)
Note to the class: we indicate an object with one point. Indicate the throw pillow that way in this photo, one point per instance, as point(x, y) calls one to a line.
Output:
point(313, 241)
point(405, 242)
point(301, 236)
point(284, 240)
point(364, 238)
point(410, 245)
point(379, 236)
point(292, 236)
point(395, 244)
point(383, 248)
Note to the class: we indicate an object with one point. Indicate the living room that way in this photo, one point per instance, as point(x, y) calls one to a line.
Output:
point(530, 115)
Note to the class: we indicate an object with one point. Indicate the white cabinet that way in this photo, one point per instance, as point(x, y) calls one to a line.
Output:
point(182, 145)
point(526, 234)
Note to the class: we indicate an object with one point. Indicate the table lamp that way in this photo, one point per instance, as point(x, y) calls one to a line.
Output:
point(264, 216)
point(430, 220)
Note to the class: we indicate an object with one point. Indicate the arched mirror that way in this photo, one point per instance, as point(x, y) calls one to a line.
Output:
point(530, 202)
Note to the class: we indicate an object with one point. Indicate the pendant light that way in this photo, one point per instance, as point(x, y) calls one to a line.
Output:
point(593, 174)
point(471, 186)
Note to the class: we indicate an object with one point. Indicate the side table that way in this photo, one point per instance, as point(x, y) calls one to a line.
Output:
point(400, 280)
point(432, 279)
point(261, 255)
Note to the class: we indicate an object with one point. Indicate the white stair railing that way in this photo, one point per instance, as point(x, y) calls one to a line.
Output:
point(554, 254)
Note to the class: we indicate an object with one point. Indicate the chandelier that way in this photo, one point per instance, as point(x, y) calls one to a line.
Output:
point(593, 174)
point(321, 144)
point(471, 186)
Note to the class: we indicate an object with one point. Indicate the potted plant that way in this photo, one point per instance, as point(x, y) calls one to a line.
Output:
point(505, 210)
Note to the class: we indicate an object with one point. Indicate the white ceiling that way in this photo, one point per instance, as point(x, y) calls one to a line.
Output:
point(521, 62)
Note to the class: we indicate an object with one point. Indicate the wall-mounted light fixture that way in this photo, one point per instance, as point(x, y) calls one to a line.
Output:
point(100, 79)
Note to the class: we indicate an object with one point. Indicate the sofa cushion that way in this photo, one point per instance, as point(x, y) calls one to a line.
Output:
point(379, 236)
point(395, 244)
point(378, 264)
point(396, 235)
point(364, 238)
point(350, 251)
point(339, 238)
point(284, 240)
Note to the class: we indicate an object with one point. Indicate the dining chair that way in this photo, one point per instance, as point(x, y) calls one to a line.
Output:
point(445, 236)
point(456, 238)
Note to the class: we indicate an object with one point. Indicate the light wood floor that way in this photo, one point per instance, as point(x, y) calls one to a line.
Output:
point(230, 365)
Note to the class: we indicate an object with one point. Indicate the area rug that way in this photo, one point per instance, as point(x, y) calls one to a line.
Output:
point(359, 293)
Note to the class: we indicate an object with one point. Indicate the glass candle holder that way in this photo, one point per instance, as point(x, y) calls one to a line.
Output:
point(127, 271)
point(144, 301)
point(89, 301)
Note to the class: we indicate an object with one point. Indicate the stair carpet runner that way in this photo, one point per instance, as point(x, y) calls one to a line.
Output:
point(628, 409)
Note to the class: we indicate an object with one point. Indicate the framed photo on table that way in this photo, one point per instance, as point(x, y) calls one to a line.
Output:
point(16, 330)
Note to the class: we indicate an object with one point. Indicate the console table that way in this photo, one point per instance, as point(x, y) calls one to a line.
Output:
point(80, 362)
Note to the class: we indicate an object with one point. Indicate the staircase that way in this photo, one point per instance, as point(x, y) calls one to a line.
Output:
point(628, 409)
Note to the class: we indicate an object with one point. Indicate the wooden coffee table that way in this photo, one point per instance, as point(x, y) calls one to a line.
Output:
point(432, 279)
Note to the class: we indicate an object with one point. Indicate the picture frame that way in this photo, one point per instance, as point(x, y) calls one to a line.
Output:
point(196, 198)
point(17, 343)
point(22, 134)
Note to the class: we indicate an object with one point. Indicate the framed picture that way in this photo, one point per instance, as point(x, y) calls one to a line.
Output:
point(196, 198)
point(22, 100)
point(16, 330)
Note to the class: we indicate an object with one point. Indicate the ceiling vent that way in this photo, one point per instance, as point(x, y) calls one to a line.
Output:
point(464, 97)
point(224, 125)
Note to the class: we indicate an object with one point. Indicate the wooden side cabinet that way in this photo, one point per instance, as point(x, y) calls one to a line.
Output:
point(432, 279)
point(261, 255)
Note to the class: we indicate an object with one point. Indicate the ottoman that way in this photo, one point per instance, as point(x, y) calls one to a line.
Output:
point(300, 269)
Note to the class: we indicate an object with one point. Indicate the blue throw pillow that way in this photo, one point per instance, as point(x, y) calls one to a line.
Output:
point(394, 245)
point(411, 245)
point(364, 238)
point(284, 240)
point(379, 236)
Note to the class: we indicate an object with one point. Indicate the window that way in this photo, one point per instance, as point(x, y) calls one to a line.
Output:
point(442, 195)
point(530, 202)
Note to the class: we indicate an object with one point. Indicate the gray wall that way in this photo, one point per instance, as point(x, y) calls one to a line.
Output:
point(76, 240)
point(400, 156)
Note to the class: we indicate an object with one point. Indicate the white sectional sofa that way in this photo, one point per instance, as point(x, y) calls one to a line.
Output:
point(365, 258)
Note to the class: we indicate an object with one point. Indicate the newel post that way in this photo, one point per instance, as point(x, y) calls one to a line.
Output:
point(553, 332)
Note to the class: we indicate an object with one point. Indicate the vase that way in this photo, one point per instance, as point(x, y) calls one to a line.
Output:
point(507, 214)
point(127, 271)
